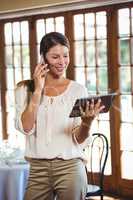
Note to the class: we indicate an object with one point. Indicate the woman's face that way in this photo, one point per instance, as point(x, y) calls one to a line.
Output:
point(58, 59)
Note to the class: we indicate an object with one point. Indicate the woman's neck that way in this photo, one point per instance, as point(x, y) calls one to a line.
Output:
point(55, 86)
point(51, 80)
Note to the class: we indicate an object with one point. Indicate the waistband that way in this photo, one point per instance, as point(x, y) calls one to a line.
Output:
point(30, 159)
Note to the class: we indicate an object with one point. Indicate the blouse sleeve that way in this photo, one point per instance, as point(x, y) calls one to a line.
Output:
point(77, 123)
point(20, 105)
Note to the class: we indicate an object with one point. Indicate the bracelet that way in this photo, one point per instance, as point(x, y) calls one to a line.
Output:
point(85, 124)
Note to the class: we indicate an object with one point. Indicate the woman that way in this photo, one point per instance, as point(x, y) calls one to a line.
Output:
point(54, 142)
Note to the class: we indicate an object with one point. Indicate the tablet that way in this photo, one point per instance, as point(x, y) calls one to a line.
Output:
point(106, 100)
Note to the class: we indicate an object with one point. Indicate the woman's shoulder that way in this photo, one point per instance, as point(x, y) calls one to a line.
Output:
point(78, 89)
point(78, 85)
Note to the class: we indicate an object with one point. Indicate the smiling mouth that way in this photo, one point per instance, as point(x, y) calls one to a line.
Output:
point(60, 69)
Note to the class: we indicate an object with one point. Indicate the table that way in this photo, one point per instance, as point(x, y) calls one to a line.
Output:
point(13, 180)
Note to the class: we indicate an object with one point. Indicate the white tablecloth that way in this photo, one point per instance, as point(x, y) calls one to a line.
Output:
point(13, 180)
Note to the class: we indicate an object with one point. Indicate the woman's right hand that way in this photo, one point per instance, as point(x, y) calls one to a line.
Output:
point(39, 76)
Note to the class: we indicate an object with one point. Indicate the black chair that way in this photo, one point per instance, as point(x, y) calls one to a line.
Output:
point(97, 152)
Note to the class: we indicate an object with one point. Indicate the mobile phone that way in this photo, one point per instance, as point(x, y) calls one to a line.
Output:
point(44, 61)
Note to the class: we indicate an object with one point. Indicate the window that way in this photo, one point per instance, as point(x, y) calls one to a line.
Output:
point(90, 43)
point(125, 39)
point(17, 63)
point(44, 26)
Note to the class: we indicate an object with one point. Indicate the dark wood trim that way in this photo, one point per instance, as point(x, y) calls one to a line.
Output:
point(32, 43)
point(69, 26)
point(113, 82)
point(3, 83)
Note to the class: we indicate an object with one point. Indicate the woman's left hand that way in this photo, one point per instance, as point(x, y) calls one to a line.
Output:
point(91, 110)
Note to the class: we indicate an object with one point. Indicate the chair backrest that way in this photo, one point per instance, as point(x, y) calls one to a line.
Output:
point(97, 152)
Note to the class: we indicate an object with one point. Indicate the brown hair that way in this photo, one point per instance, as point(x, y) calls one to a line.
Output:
point(48, 41)
point(29, 83)
point(52, 39)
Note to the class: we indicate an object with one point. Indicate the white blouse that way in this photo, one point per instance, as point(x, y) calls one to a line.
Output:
point(53, 133)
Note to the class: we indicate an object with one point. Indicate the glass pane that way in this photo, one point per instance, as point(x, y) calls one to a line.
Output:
point(95, 161)
point(102, 80)
point(25, 55)
point(132, 20)
point(16, 32)
point(40, 29)
point(102, 52)
point(94, 126)
point(18, 75)
point(24, 32)
point(79, 54)
point(101, 126)
point(101, 24)
point(127, 166)
point(80, 75)
point(8, 33)
point(108, 170)
point(10, 101)
point(78, 27)
point(10, 123)
point(50, 25)
point(17, 56)
point(8, 55)
point(104, 127)
point(26, 73)
point(104, 116)
point(90, 53)
point(126, 137)
point(10, 78)
point(124, 51)
point(125, 79)
point(90, 19)
point(124, 27)
point(101, 32)
point(0, 125)
point(91, 80)
point(90, 32)
point(101, 19)
point(126, 108)
point(131, 46)
point(60, 24)
point(89, 26)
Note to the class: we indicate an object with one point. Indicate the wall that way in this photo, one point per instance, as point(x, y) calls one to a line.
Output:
point(12, 5)
point(15, 5)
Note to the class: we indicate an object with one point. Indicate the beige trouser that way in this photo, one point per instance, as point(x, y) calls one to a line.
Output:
point(63, 179)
